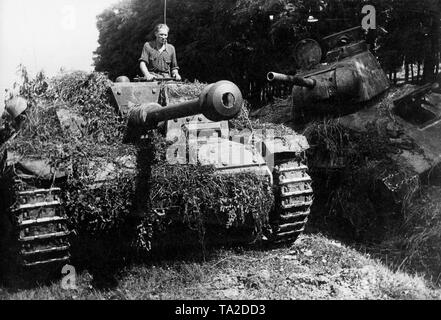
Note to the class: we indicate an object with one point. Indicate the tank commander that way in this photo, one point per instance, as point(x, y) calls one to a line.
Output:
point(158, 58)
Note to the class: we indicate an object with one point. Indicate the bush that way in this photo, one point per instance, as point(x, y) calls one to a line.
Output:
point(347, 169)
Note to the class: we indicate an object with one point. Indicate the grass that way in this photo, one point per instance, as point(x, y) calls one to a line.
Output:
point(313, 268)
point(416, 245)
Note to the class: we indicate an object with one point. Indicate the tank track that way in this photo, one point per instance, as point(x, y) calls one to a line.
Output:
point(40, 229)
point(294, 197)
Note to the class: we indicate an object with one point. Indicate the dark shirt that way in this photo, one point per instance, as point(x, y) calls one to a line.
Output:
point(163, 62)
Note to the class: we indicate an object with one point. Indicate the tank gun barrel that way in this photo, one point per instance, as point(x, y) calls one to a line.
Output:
point(219, 101)
point(296, 80)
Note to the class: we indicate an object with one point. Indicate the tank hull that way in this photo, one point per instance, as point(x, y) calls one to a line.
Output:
point(197, 139)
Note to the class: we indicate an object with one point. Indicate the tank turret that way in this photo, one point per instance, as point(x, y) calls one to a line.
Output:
point(349, 74)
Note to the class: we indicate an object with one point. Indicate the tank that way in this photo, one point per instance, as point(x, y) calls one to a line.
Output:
point(351, 88)
point(349, 77)
point(413, 124)
point(33, 230)
point(200, 129)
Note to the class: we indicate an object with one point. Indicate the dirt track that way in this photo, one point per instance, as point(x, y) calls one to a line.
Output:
point(313, 268)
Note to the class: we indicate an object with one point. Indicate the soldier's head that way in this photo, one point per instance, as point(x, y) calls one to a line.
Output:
point(161, 33)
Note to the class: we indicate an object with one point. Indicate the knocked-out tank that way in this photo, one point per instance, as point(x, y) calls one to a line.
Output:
point(344, 87)
point(202, 125)
point(33, 230)
point(349, 76)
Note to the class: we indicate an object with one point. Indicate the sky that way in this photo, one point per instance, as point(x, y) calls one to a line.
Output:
point(47, 35)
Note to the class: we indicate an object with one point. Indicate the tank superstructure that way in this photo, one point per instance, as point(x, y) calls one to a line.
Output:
point(200, 130)
point(349, 76)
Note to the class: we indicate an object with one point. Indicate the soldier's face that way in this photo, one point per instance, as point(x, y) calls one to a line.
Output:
point(161, 36)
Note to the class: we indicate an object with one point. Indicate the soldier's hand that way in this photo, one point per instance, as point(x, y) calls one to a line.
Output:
point(149, 77)
point(177, 77)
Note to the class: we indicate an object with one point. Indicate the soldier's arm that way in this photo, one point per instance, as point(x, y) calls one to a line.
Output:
point(143, 63)
point(145, 70)
point(174, 66)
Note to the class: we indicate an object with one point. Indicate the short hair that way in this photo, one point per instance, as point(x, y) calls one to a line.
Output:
point(161, 26)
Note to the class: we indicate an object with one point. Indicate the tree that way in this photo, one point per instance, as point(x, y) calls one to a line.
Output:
point(412, 38)
point(237, 40)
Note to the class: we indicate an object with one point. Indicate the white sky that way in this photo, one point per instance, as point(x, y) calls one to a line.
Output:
point(47, 35)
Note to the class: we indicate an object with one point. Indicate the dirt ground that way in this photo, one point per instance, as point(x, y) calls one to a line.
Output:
point(313, 268)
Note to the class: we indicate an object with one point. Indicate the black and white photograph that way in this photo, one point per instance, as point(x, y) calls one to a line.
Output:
point(224, 156)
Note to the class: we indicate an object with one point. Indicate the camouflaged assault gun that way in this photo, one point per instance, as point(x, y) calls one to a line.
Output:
point(346, 85)
point(201, 124)
point(33, 230)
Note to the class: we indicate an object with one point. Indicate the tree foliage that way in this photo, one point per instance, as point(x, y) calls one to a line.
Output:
point(412, 36)
point(237, 40)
